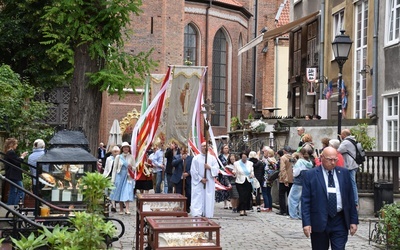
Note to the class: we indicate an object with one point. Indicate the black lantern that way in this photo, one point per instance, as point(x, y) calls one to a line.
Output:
point(341, 48)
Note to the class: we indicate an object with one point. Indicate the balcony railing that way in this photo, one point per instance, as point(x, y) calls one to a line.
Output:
point(380, 166)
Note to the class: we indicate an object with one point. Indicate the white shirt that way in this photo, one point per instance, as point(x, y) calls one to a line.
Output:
point(337, 187)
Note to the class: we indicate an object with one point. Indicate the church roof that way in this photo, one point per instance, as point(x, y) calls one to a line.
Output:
point(283, 15)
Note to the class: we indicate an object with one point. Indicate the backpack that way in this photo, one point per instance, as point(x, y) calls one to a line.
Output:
point(360, 153)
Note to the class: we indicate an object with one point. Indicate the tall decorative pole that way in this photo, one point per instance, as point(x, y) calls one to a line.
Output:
point(209, 110)
point(341, 48)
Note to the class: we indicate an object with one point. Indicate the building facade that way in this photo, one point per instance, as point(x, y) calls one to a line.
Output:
point(209, 33)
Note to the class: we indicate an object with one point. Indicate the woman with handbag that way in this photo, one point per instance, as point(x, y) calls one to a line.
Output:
point(243, 170)
point(124, 183)
point(258, 167)
point(270, 169)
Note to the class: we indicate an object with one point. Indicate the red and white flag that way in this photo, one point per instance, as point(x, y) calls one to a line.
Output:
point(146, 127)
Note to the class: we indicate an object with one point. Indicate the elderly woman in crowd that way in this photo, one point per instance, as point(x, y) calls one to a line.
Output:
point(233, 193)
point(243, 170)
point(124, 184)
point(108, 169)
point(258, 167)
point(270, 165)
point(302, 164)
point(223, 195)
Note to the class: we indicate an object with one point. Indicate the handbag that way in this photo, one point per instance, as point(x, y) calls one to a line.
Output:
point(273, 175)
point(255, 183)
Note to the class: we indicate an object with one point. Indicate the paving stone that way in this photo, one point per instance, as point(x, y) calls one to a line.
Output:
point(258, 230)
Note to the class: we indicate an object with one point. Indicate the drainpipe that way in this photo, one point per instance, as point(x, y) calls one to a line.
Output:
point(276, 72)
point(206, 56)
point(276, 67)
point(375, 60)
point(322, 50)
point(255, 53)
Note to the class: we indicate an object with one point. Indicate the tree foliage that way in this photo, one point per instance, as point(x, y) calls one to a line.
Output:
point(21, 115)
point(81, 43)
point(102, 26)
point(20, 43)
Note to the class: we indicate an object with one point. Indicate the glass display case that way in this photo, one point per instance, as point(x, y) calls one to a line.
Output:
point(66, 183)
point(183, 233)
point(156, 205)
point(60, 169)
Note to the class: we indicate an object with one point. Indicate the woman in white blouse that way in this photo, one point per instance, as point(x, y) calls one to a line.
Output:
point(244, 172)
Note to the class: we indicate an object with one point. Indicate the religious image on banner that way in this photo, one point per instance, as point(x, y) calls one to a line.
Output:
point(180, 101)
point(311, 75)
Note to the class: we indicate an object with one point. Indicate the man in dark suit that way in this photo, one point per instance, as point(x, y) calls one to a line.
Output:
point(181, 175)
point(328, 207)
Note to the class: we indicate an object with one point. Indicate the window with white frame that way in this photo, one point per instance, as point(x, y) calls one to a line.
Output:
point(392, 26)
point(338, 22)
point(391, 123)
point(338, 25)
point(360, 50)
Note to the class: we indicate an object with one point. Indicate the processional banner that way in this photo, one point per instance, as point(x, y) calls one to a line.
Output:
point(185, 91)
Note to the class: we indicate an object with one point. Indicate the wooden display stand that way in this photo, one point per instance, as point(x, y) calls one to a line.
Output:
point(156, 205)
point(192, 233)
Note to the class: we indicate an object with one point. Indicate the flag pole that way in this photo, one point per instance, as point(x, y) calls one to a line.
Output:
point(208, 111)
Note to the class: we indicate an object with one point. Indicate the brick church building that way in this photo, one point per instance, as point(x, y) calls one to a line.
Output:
point(208, 33)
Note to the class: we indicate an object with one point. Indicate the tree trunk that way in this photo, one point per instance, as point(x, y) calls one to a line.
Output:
point(85, 101)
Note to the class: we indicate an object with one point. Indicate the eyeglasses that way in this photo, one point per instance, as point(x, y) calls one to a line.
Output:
point(330, 159)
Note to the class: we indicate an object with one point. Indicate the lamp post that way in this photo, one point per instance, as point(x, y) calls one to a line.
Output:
point(341, 48)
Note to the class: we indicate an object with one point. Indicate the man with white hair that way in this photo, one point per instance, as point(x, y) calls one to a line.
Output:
point(300, 132)
point(38, 151)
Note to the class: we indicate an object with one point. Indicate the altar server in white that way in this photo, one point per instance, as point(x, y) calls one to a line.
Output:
point(203, 198)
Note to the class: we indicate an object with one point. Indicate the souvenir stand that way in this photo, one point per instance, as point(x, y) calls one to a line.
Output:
point(192, 233)
point(156, 205)
point(61, 168)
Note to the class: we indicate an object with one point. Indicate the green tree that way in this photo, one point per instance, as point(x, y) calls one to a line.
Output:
point(21, 115)
point(85, 39)
point(93, 31)
point(20, 43)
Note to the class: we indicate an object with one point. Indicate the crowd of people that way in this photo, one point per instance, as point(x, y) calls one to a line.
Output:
point(307, 179)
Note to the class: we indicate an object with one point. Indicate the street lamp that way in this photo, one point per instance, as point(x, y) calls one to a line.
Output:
point(341, 48)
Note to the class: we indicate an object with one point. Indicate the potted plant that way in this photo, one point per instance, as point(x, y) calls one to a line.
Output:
point(360, 133)
point(390, 223)
point(235, 123)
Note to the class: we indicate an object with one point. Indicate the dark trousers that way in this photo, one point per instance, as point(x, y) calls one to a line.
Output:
point(283, 193)
point(178, 187)
point(336, 234)
point(169, 183)
point(258, 197)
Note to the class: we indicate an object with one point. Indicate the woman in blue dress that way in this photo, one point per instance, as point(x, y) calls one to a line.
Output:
point(124, 184)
